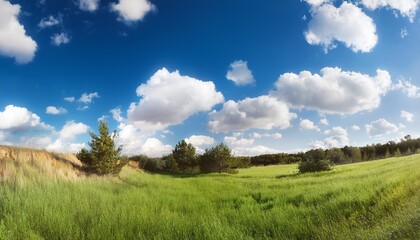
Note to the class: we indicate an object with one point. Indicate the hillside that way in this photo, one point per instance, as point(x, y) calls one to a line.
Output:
point(368, 200)
point(17, 164)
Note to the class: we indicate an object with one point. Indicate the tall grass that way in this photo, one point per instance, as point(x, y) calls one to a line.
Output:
point(369, 200)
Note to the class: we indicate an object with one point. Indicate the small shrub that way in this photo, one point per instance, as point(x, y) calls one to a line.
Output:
point(314, 166)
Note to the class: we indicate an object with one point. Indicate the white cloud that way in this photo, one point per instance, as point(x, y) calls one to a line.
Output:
point(87, 98)
point(348, 92)
point(407, 8)
point(69, 99)
point(35, 141)
point(15, 118)
point(253, 151)
point(49, 22)
point(317, 3)
point(116, 114)
point(131, 138)
point(308, 124)
point(169, 98)
point(132, 10)
point(263, 112)
point(60, 39)
point(68, 133)
point(404, 32)
point(239, 73)
point(54, 110)
point(347, 24)
point(60, 145)
point(238, 141)
point(88, 5)
point(380, 127)
point(82, 108)
point(72, 129)
point(14, 42)
point(267, 135)
point(355, 128)
point(155, 148)
point(411, 90)
point(339, 138)
point(407, 116)
point(324, 121)
point(200, 140)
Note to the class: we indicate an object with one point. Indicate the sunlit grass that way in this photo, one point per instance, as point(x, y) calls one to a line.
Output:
point(370, 200)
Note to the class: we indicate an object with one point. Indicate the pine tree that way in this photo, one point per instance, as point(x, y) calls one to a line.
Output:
point(216, 159)
point(103, 157)
point(185, 157)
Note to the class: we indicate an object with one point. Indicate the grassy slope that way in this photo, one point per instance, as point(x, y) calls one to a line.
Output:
point(371, 200)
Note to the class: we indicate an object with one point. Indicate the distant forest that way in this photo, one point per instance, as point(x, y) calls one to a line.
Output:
point(337, 156)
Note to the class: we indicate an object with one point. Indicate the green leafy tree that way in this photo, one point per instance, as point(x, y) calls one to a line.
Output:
point(216, 159)
point(103, 157)
point(336, 156)
point(185, 157)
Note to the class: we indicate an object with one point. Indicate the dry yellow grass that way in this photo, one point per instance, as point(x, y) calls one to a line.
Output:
point(18, 163)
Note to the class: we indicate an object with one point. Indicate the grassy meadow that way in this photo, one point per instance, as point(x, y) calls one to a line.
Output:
point(369, 200)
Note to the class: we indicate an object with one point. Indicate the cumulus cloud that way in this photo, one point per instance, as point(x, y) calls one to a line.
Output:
point(61, 145)
point(380, 127)
point(263, 112)
point(169, 98)
point(239, 73)
point(15, 118)
point(200, 140)
point(155, 148)
point(308, 125)
point(411, 90)
point(55, 111)
point(348, 92)
point(49, 22)
point(130, 137)
point(238, 141)
point(347, 24)
point(338, 138)
point(132, 10)
point(407, 116)
point(88, 5)
point(253, 151)
point(60, 39)
point(87, 98)
point(407, 8)
point(35, 141)
point(317, 3)
point(267, 135)
point(136, 141)
point(355, 128)
point(14, 42)
point(66, 136)
point(72, 129)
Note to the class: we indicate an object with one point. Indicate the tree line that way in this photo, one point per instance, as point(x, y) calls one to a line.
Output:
point(104, 157)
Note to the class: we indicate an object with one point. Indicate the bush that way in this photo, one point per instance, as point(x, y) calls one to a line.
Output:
point(103, 157)
point(314, 166)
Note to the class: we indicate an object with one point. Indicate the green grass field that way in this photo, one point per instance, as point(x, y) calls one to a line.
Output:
point(370, 200)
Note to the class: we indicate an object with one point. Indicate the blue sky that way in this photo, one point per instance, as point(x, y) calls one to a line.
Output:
point(261, 76)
